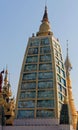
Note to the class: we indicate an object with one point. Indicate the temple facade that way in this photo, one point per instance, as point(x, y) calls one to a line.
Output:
point(44, 98)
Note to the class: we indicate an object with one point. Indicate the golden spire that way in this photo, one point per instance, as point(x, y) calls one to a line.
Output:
point(73, 112)
point(45, 25)
point(68, 65)
point(6, 77)
point(45, 16)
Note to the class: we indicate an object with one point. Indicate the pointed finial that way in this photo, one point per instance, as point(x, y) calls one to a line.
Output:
point(68, 65)
point(45, 28)
point(45, 16)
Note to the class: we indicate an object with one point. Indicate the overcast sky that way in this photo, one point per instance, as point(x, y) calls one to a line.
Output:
point(20, 18)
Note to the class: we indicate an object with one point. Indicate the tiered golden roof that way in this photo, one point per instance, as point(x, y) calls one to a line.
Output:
point(7, 102)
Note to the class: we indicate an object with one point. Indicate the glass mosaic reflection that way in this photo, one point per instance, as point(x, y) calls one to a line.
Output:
point(45, 84)
point(45, 113)
point(45, 50)
point(45, 103)
point(35, 42)
point(27, 94)
point(45, 67)
point(33, 51)
point(45, 75)
point(45, 41)
point(26, 104)
point(22, 114)
point(30, 67)
point(29, 76)
point(26, 86)
point(45, 58)
point(32, 59)
point(46, 94)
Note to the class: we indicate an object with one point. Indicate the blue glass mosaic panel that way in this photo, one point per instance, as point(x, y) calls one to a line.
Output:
point(59, 63)
point(60, 96)
point(22, 114)
point(32, 59)
point(45, 49)
point(55, 44)
point(33, 51)
point(45, 58)
point(29, 76)
point(26, 104)
point(45, 103)
point(30, 67)
point(58, 78)
point(34, 42)
point(63, 73)
point(63, 81)
point(59, 87)
point(46, 94)
point(45, 113)
point(44, 84)
point(60, 56)
point(58, 69)
point(27, 94)
point(64, 91)
point(45, 41)
point(27, 86)
point(45, 75)
point(56, 52)
point(45, 67)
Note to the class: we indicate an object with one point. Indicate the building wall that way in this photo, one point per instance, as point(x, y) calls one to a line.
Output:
point(42, 83)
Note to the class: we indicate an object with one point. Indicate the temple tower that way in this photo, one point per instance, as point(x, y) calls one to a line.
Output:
point(42, 84)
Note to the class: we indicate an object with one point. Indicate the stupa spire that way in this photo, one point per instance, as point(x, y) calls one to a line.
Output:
point(45, 16)
point(68, 65)
point(73, 111)
point(45, 28)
